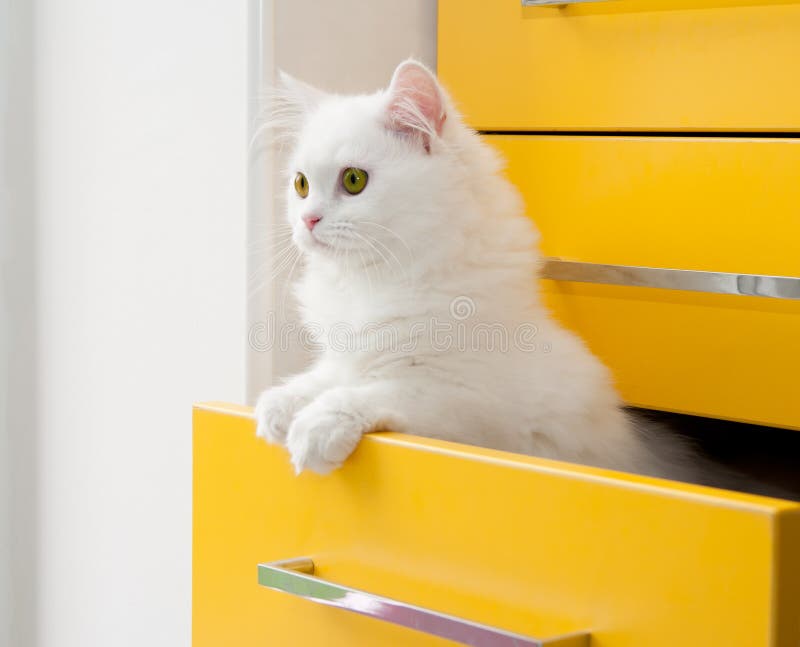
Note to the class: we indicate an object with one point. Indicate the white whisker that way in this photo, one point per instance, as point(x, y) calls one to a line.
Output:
point(255, 290)
point(270, 245)
point(287, 284)
point(366, 271)
point(283, 264)
point(276, 258)
point(391, 253)
point(378, 251)
point(392, 232)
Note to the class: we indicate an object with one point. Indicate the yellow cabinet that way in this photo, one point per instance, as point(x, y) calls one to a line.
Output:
point(527, 545)
point(629, 64)
point(562, 554)
point(710, 204)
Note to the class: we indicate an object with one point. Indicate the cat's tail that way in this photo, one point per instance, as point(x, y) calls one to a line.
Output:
point(671, 455)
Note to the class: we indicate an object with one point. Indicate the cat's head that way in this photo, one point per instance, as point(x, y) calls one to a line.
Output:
point(370, 177)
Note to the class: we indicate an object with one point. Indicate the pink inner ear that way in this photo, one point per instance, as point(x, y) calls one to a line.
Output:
point(416, 103)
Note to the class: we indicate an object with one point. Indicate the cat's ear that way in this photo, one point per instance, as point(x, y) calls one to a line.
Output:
point(416, 104)
point(284, 109)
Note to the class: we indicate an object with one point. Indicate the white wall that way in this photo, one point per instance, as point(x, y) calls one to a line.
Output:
point(138, 303)
point(342, 46)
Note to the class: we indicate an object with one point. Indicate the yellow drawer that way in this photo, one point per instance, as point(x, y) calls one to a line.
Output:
point(528, 545)
point(632, 64)
point(719, 205)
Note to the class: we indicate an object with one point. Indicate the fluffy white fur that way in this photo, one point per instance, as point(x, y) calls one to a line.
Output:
point(436, 222)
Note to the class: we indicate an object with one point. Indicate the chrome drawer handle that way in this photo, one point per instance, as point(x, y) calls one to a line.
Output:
point(753, 285)
point(296, 576)
point(544, 3)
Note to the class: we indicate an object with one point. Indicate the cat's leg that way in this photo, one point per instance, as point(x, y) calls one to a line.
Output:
point(278, 405)
point(326, 432)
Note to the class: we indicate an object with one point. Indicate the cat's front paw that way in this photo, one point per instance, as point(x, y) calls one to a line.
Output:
point(324, 434)
point(274, 412)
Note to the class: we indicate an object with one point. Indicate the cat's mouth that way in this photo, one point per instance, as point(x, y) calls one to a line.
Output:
point(329, 242)
point(312, 240)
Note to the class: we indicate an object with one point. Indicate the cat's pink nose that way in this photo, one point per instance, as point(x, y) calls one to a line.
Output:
point(311, 220)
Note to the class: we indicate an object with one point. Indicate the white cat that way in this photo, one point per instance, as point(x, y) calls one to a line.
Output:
point(408, 227)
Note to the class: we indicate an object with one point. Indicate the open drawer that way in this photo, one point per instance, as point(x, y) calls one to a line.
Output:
point(526, 545)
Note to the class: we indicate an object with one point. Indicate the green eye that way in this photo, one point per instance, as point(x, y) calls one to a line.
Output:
point(354, 180)
point(301, 185)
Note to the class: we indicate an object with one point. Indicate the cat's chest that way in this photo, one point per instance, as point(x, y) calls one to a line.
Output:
point(355, 311)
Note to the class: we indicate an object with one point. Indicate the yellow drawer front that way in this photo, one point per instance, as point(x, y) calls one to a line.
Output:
point(528, 545)
point(631, 64)
point(720, 205)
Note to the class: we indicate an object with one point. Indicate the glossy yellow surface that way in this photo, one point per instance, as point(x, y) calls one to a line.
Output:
point(631, 64)
point(723, 205)
point(530, 545)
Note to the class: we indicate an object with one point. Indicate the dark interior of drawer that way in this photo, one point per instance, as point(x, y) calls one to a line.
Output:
point(765, 454)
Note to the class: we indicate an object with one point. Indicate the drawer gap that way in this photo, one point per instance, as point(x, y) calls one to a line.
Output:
point(720, 134)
